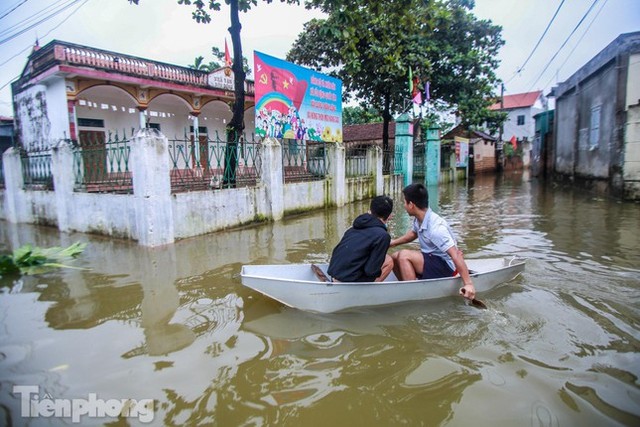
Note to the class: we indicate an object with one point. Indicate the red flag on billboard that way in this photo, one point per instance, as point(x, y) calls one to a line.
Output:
point(273, 79)
point(227, 57)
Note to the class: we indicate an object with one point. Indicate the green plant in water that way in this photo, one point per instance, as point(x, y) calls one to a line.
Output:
point(28, 259)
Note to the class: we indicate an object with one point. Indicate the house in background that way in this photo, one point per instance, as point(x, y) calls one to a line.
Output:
point(482, 148)
point(520, 109)
point(520, 124)
point(69, 91)
point(597, 116)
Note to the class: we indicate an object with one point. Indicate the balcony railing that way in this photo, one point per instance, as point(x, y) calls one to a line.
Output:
point(68, 53)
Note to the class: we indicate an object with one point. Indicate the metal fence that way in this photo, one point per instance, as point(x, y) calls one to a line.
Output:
point(101, 162)
point(304, 160)
point(213, 163)
point(36, 169)
point(356, 161)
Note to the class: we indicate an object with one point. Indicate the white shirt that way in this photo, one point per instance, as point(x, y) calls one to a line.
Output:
point(435, 236)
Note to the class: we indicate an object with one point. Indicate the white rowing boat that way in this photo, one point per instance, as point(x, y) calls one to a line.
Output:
point(296, 285)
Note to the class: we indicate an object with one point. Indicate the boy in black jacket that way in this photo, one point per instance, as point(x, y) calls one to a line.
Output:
point(361, 255)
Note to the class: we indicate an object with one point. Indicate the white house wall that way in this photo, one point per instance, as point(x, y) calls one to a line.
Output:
point(31, 109)
point(633, 82)
point(527, 130)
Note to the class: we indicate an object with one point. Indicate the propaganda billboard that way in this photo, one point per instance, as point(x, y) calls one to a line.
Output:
point(294, 102)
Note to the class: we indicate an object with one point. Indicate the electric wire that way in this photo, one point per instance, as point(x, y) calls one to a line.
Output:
point(46, 18)
point(32, 17)
point(579, 40)
point(14, 8)
point(541, 37)
point(563, 44)
point(46, 34)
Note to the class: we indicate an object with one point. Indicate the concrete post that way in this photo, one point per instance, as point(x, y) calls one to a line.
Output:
point(150, 171)
point(63, 181)
point(432, 174)
point(404, 146)
point(374, 160)
point(272, 177)
point(336, 156)
point(14, 187)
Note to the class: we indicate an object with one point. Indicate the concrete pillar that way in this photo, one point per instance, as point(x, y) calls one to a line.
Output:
point(432, 156)
point(374, 160)
point(272, 177)
point(141, 117)
point(404, 146)
point(336, 156)
point(63, 181)
point(153, 205)
point(15, 209)
point(73, 119)
point(196, 138)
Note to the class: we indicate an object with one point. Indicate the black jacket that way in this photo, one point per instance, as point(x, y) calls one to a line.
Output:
point(360, 254)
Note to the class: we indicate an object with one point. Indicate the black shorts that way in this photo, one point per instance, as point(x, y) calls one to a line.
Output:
point(435, 267)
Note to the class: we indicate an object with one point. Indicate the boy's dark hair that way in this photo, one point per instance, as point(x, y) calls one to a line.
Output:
point(418, 194)
point(381, 206)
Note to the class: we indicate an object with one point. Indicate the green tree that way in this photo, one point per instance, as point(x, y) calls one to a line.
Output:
point(372, 45)
point(359, 115)
point(201, 14)
point(198, 63)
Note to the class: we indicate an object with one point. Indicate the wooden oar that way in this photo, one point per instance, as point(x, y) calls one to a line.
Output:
point(475, 302)
point(319, 273)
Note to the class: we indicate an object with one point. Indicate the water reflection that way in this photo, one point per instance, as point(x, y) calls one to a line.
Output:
point(559, 345)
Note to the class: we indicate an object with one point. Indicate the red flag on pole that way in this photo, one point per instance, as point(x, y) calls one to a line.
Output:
point(514, 142)
point(227, 57)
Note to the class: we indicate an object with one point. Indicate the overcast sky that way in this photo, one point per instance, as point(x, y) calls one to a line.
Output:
point(162, 30)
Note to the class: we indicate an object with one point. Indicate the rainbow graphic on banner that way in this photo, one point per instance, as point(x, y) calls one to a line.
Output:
point(294, 102)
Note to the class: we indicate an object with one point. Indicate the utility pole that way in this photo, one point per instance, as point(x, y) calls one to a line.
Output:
point(500, 144)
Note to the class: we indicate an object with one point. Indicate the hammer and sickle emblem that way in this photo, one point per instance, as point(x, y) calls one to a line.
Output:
point(263, 79)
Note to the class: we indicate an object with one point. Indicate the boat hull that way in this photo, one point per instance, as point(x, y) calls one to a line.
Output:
point(295, 285)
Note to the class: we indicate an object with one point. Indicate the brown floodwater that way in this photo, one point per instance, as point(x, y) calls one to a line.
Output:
point(559, 345)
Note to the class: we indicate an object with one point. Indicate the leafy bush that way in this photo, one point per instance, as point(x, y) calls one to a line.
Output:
point(28, 259)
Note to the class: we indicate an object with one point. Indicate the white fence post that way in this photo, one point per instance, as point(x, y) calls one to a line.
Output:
point(150, 170)
point(272, 176)
point(15, 209)
point(374, 160)
point(63, 181)
point(337, 172)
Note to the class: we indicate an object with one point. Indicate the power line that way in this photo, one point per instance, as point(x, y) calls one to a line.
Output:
point(25, 21)
point(46, 18)
point(541, 37)
point(46, 34)
point(580, 39)
point(563, 44)
point(14, 8)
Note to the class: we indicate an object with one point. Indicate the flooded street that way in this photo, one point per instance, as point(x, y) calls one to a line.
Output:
point(559, 345)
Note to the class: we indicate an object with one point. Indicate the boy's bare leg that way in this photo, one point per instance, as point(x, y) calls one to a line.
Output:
point(387, 267)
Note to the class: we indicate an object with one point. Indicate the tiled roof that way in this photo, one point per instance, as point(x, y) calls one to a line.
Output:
point(519, 100)
point(366, 132)
point(464, 133)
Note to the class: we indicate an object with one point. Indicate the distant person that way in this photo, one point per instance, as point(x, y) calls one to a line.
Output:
point(439, 255)
point(361, 255)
